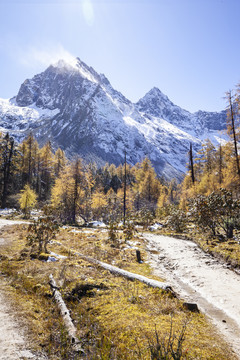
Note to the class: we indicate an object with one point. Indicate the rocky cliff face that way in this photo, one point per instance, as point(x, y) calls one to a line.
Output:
point(76, 108)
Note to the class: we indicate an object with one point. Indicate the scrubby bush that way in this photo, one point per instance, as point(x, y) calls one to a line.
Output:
point(42, 231)
point(129, 230)
point(112, 232)
point(215, 212)
point(177, 219)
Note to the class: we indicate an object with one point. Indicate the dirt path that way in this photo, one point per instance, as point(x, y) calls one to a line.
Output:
point(13, 344)
point(199, 278)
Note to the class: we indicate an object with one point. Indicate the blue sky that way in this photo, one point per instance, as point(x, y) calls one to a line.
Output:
point(189, 49)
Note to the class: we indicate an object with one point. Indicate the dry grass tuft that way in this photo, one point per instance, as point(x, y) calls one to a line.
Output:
point(115, 318)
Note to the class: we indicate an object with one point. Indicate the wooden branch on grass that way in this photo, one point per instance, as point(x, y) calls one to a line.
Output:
point(127, 274)
point(71, 329)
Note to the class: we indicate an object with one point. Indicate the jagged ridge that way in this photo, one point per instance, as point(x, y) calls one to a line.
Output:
point(78, 109)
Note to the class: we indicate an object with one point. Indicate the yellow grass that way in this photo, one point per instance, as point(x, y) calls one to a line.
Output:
point(117, 320)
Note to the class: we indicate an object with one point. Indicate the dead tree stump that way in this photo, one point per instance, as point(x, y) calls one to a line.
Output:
point(138, 254)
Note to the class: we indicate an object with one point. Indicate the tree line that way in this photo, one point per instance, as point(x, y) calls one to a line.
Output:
point(80, 192)
point(74, 189)
point(209, 195)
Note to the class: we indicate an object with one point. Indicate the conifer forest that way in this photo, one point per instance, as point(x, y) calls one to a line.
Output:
point(82, 254)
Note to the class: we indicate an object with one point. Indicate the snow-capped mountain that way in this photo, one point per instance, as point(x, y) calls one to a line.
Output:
point(76, 108)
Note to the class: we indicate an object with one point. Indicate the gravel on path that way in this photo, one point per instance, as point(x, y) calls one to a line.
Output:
point(199, 278)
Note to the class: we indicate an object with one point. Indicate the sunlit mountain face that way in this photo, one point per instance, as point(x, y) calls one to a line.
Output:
point(77, 109)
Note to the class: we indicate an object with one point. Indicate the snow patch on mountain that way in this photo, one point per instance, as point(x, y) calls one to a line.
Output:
point(79, 110)
point(25, 113)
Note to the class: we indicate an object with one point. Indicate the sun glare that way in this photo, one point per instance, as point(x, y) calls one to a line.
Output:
point(88, 13)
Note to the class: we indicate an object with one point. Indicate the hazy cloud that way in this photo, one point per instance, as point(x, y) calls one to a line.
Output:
point(34, 57)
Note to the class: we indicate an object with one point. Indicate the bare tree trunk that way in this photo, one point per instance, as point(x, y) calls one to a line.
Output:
point(30, 141)
point(76, 190)
point(220, 164)
point(231, 114)
point(124, 190)
point(191, 163)
point(8, 154)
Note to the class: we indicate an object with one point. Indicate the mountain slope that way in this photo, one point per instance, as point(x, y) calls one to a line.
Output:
point(76, 108)
point(200, 124)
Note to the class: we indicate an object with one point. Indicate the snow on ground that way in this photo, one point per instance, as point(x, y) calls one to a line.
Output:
point(199, 278)
point(6, 211)
point(97, 224)
point(55, 257)
point(155, 226)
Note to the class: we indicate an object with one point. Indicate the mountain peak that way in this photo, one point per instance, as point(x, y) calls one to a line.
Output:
point(63, 63)
point(155, 92)
point(154, 103)
point(87, 72)
point(76, 64)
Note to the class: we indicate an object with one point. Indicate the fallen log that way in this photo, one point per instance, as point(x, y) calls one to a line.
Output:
point(71, 329)
point(127, 274)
